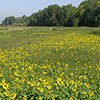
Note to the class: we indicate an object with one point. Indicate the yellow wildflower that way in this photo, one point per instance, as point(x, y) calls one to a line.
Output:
point(91, 93)
point(25, 97)
point(49, 87)
point(77, 94)
point(40, 89)
point(7, 93)
point(5, 86)
point(13, 96)
point(74, 89)
point(3, 80)
point(40, 98)
point(71, 73)
point(79, 83)
point(87, 85)
point(1, 75)
point(70, 98)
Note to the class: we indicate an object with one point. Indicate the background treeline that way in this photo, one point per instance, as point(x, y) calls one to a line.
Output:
point(86, 14)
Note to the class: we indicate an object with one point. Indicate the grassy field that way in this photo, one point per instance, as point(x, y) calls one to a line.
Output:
point(49, 63)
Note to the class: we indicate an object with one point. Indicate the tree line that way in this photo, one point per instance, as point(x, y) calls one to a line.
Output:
point(86, 14)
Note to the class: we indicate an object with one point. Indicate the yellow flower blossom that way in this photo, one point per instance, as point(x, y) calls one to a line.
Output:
point(12, 96)
point(91, 93)
point(49, 87)
point(40, 98)
point(70, 98)
point(25, 97)
point(5, 86)
point(7, 93)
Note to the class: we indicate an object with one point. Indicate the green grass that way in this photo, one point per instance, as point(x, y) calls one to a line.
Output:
point(19, 35)
point(3, 28)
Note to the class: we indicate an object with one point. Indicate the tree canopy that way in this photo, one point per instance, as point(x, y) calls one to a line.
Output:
point(86, 14)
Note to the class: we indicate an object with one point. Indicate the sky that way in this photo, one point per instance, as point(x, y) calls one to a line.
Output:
point(19, 8)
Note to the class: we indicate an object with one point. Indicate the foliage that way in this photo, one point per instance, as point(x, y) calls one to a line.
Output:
point(96, 32)
point(8, 21)
point(86, 14)
point(21, 21)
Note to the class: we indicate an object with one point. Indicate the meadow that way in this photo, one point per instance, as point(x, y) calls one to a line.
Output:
point(49, 63)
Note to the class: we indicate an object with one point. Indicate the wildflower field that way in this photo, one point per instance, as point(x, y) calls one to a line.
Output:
point(49, 63)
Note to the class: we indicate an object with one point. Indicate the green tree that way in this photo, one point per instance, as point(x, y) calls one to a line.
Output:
point(97, 17)
point(8, 21)
point(68, 12)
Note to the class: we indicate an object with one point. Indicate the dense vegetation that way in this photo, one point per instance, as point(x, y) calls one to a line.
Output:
point(86, 14)
point(49, 63)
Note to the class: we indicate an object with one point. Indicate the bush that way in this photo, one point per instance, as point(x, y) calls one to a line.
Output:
point(96, 32)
